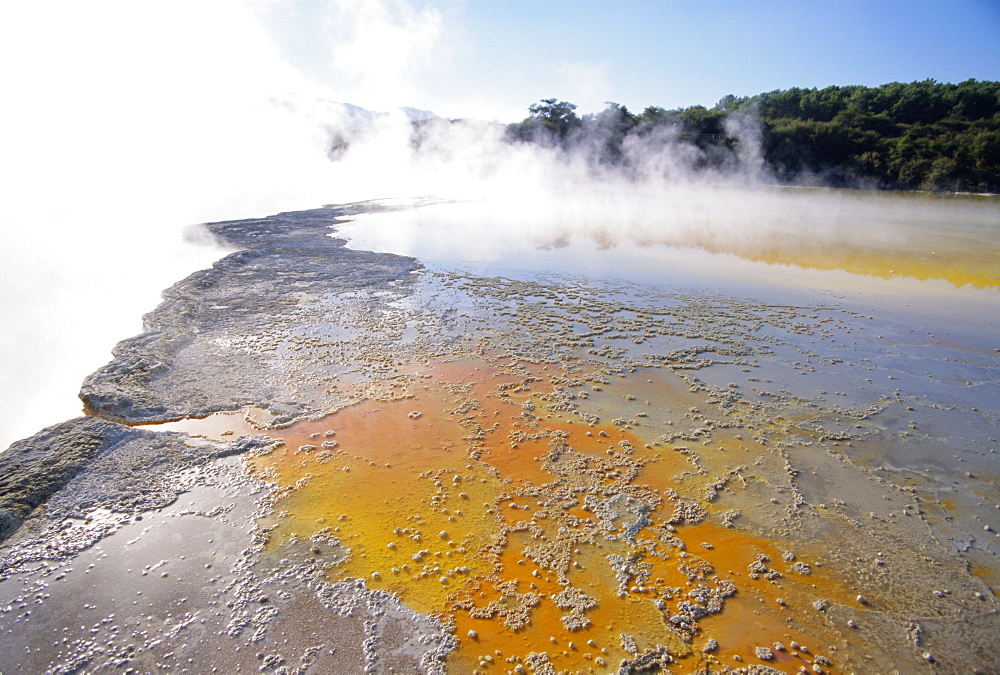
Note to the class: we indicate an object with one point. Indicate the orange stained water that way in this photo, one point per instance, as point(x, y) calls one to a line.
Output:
point(988, 576)
point(397, 490)
point(952, 239)
point(755, 617)
point(752, 618)
point(219, 426)
point(959, 265)
point(465, 496)
point(597, 645)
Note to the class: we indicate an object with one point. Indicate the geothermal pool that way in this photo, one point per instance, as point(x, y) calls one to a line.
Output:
point(451, 437)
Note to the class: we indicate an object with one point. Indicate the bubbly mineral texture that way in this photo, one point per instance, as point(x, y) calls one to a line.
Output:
point(378, 466)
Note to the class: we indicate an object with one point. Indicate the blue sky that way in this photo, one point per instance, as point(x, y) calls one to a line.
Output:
point(481, 57)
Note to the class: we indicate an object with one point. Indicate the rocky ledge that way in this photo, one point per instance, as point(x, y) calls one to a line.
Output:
point(224, 338)
point(87, 463)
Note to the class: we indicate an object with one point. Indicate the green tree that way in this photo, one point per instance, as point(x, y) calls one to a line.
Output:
point(607, 131)
point(549, 122)
point(557, 117)
point(916, 135)
point(730, 103)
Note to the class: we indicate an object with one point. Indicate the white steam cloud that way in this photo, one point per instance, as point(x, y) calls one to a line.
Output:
point(122, 124)
point(379, 47)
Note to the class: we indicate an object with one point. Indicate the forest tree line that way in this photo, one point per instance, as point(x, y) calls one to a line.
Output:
point(918, 136)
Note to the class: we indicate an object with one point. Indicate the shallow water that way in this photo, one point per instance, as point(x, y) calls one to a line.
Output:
point(572, 452)
point(771, 236)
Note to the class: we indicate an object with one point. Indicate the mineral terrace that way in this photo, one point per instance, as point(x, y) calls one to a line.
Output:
point(319, 459)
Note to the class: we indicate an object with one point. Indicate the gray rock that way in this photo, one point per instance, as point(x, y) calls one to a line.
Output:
point(33, 469)
point(76, 466)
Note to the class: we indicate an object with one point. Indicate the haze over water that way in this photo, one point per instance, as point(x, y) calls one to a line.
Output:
point(758, 236)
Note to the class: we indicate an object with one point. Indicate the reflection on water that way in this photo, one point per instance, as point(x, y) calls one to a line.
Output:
point(927, 237)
